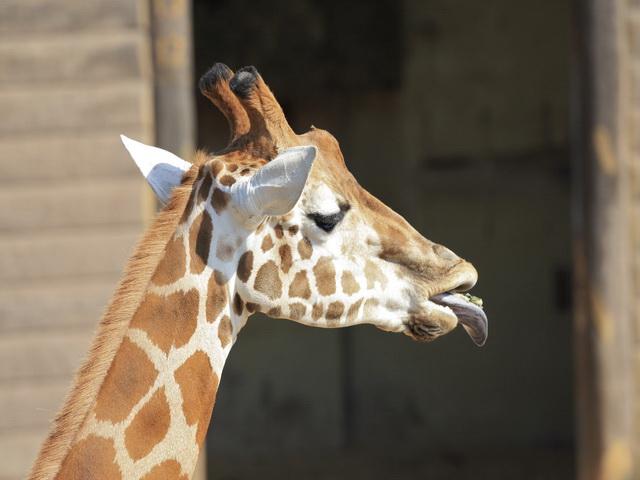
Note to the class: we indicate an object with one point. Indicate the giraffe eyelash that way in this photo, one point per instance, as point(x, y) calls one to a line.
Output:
point(328, 222)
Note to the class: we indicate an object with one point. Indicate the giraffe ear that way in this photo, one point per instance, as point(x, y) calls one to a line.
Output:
point(275, 189)
point(163, 170)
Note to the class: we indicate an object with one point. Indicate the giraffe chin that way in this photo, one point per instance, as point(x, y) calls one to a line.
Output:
point(430, 323)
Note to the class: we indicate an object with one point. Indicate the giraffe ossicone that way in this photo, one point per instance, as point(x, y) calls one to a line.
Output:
point(273, 223)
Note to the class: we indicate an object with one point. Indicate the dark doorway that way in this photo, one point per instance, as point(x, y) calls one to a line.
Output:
point(456, 115)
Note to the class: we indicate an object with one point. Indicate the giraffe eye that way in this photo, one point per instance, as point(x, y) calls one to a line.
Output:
point(328, 222)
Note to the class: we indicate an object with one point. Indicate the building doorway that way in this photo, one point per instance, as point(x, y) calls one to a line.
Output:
point(470, 105)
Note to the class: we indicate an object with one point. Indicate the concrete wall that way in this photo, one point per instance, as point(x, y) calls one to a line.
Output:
point(74, 74)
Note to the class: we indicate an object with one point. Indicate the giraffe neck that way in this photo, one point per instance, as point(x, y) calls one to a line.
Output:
point(151, 413)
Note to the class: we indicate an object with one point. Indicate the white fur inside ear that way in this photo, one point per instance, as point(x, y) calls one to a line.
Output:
point(275, 189)
point(162, 169)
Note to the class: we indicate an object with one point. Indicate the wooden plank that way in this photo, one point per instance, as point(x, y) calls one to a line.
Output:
point(28, 405)
point(19, 450)
point(604, 330)
point(69, 157)
point(88, 107)
point(77, 204)
point(73, 75)
point(71, 58)
point(77, 254)
point(50, 16)
point(56, 305)
point(47, 355)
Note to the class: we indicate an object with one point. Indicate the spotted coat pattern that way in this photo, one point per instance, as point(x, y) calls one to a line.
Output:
point(150, 420)
point(152, 410)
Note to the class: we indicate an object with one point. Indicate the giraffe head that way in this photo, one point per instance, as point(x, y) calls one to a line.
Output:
point(297, 237)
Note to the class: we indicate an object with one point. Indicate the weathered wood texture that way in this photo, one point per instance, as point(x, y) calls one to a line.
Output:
point(607, 242)
point(631, 115)
point(74, 74)
point(173, 93)
point(173, 76)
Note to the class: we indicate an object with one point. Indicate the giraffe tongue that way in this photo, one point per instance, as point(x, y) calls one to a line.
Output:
point(470, 315)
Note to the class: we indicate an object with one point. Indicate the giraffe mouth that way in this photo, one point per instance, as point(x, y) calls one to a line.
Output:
point(469, 312)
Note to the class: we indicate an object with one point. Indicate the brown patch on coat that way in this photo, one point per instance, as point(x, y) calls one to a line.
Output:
point(370, 307)
point(325, 276)
point(232, 167)
point(92, 458)
point(225, 331)
point(199, 385)
point(267, 243)
point(148, 427)
point(130, 376)
point(286, 259)
point(245, 265)
point(268, 280)
point(352, 313)
point(216, 167)
point(168, 320)
point(227, 180)
point(349, 283)
point(191, 203)
point(220, 277)
point(173, 265)
point(334, 311)
point(297, 311)
point(252, 307)
point(169, 469)
point(219, 200)
point(216, 298)
point(300, 286)
point(279, 231)
point(205, 186)
point(293, 229)
point(316, 313)
point(275, 312)
point(224, 250)
point(238, 304)
point(374, 275)
point(305, 249)
point(200, 241)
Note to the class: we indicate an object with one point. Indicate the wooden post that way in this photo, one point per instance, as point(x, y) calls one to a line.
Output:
point(173, 94)
point(604, 337)
point(173, 77)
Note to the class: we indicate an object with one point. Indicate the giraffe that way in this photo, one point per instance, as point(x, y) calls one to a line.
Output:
point(273, 223)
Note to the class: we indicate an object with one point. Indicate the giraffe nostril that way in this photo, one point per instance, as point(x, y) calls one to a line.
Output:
point(464, 286)
point(467, 277)
point(445, 253)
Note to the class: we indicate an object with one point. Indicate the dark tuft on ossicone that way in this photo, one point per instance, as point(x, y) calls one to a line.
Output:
point(244, 81)
point(215, 74)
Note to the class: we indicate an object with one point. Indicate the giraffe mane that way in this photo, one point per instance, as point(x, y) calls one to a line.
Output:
point(112, 328)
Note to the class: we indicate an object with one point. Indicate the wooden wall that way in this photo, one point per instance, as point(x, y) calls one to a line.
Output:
point(74, 74)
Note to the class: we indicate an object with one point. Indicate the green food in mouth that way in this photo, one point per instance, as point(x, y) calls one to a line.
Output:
point(471, 299)
point(475, 300)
